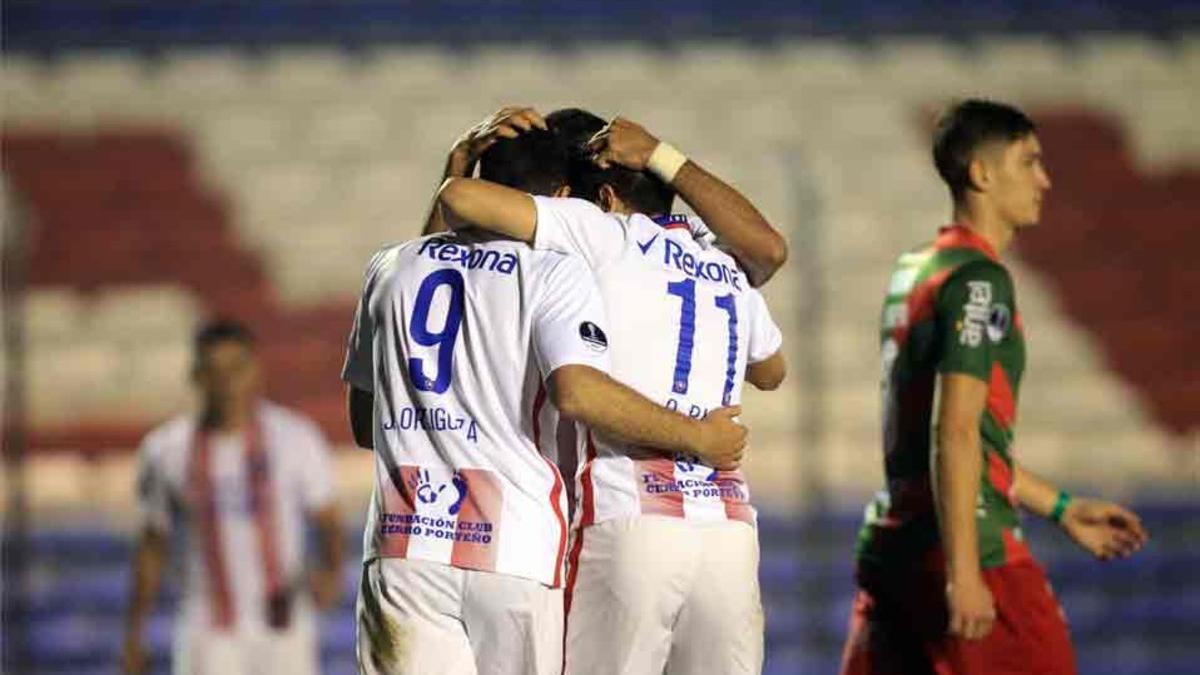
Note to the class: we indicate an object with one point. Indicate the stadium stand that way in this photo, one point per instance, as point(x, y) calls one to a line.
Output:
point(221, 180)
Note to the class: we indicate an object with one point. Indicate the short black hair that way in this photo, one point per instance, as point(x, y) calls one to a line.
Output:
point(221, 330)
point(644, 192)
point(965, 127)
point(536, 162)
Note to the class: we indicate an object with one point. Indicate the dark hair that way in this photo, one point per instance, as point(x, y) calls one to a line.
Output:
point(644, 192)
point(535, 161)
point(964, 128)
point(221, 330)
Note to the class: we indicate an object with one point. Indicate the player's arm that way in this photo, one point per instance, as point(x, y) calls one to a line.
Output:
point(1104, 529)
point(149, 558)
point(735, 221)
point(327, 577)
point(506, 122)
point(361, 406)
point(590, 396)
point(958, 465)
point(963, 306)
point(766, 366)
point(767, 374)
point(471, 202)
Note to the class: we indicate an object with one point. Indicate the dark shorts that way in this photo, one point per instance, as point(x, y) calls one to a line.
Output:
point(898, 625)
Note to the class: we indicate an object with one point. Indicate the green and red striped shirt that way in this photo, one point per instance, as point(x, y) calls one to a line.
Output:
point(950, 308)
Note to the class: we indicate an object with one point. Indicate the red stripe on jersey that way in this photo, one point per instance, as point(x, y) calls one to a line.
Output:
point(999, 474)
point(961, 236)
point(398, 509)
point(208, 521)
point(567, 437)
point(569, 592)
point(733, 493)
point(1015, 550)
point(676, 226)
point(1000, 401)
point(657, 489)
point(479, 515)
point(539, 400)
point(587, 514)
point(262, 504)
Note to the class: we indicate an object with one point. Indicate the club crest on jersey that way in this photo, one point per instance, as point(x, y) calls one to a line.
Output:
point(593, 336)
point(976, 313)
point(999, 321)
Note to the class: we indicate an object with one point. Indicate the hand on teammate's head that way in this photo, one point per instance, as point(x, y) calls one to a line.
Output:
point(507, 122)
point(623, 142)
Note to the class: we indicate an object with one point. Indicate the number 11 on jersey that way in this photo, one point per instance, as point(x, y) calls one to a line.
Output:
point(686, 291)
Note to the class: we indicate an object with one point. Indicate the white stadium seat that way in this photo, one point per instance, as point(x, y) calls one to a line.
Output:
point(144, 314)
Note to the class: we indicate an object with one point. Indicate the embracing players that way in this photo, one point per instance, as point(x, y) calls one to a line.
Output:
point(463, 346)
point(664, 562)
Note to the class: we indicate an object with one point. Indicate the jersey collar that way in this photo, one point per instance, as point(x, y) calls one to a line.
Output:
point(672, 221)
point(957, 235)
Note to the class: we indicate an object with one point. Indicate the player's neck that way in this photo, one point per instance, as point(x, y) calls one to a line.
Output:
point(225, 417)
point(994, 230)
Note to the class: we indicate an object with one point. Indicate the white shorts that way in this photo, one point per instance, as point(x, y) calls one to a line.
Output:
point(423, 618)
point(256, 651)
point(665, 595)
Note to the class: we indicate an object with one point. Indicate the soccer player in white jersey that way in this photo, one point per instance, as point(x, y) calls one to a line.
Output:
point(663, 567)
point(239, 481)
point(463, 346)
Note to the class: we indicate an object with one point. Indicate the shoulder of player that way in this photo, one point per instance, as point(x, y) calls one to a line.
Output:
point(980, 269)
point(171, 436)
point(288, 420)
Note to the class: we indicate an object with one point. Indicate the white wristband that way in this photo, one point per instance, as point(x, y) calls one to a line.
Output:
point(666, 161)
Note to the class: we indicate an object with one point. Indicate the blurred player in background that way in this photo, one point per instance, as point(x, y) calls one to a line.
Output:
point(463, 348)
point(239, 481)
point(664, 563)
point(946, 582)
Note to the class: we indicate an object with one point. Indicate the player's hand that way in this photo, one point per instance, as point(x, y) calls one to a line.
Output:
point(133, 657)
point(721, 441)
point(1104, 529)
point(972, 608)
point(326, 586)
point(623, 142)
point(507, 122)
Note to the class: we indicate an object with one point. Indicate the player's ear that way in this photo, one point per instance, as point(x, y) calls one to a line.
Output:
point(979, 173)
point(608, 198)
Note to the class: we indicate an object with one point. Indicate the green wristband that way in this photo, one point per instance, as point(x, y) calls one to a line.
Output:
point(1060, 505)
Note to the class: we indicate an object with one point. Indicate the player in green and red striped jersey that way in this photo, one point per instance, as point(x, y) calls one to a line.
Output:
point(946, 583)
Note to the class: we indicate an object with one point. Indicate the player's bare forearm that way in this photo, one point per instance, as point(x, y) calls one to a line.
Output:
point(590, 396)
point(959, 464)
point(767, 374)
point(1034, 492)
point(735, 221)
point(149, 556)
point(471, 202)
point(458, 164)
point(361, 409)
point(328, 524)
point(327, 576)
